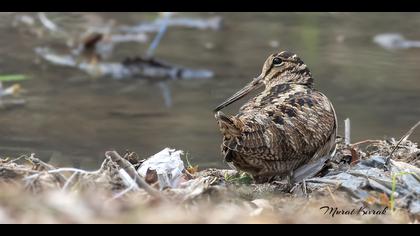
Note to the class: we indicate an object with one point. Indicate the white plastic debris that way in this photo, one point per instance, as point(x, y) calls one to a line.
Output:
point(213, 23)
point(12, 90)
point(47, 22)
point(24, 19)
point(168, 166)
point(395, 41)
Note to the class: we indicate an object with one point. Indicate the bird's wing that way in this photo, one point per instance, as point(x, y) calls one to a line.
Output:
point(300, 127)
point(309, 120)
point(328, 144)
point(324, 152)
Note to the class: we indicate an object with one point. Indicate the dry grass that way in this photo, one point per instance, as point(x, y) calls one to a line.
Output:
point(36, 192)
point(19, 206)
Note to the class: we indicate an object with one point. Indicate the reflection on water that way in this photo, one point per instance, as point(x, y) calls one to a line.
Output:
point(72, 119)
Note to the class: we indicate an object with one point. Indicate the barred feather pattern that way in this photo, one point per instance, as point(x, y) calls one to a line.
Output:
point(284, 127)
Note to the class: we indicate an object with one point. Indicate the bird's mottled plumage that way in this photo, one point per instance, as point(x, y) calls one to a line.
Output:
point(287, 125)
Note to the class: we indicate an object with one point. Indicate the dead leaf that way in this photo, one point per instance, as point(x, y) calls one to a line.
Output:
point(370, 200)
point(151, 176)
point(384, 200)
point(354, 156)
point(192, 169)
point(132, 157)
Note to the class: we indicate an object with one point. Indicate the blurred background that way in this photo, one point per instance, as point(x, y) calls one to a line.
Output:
point(368, 64)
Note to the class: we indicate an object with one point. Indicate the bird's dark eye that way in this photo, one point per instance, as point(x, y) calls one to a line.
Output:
point(277, 61)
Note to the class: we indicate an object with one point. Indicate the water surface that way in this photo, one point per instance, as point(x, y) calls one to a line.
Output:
point(71, 119)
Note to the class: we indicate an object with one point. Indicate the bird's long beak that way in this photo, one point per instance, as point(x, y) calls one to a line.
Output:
point(255, 83)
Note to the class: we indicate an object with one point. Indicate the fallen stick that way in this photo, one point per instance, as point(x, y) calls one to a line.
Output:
point(347, 131)
point(122, 193)
point(54, 171)
point(366, 141)
point(136, 67)
point(47, 23)
point(332, 195)
point(403, 138)
point(18, 169)
point(129, 168)
point(162, 30)
point(69, 181)
point(38, 162)
point(11, 103)
point(46, 167)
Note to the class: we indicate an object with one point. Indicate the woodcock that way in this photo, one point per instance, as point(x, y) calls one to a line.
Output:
point(288, 130)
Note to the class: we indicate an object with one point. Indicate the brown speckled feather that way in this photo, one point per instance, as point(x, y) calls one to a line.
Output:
point(287, 125)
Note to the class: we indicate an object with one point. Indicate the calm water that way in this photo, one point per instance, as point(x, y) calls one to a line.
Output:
point(71, 119)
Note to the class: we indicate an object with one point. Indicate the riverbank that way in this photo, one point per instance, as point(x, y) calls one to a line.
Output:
point(355, 187)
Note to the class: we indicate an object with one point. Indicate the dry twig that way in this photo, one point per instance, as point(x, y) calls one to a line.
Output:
point(403, 138)
point(131, 171)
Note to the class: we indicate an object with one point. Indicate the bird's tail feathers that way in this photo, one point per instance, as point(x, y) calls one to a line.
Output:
point(228, 125)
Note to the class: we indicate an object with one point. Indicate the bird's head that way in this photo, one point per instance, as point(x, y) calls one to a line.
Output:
point(285, 67)
point(279, 68)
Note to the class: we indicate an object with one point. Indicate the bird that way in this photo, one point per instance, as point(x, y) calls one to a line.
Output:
point(287, 131)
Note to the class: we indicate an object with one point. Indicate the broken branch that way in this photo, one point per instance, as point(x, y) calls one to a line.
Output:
point(131, 171)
